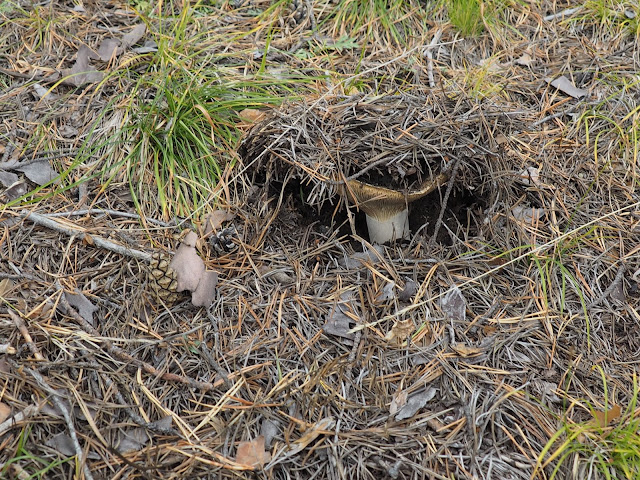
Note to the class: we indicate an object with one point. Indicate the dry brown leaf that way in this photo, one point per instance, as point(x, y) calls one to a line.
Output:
point(213, 221)
point(85, 308)
point(564, 85)
point(191, 273)
point(398, 401)
point(5, 411)
point(400, 330)
point(6, 284)
point(489, 330)
point(188, 266)
point(525, 60)
point(205, 293)
point(252, 115)
point(602, 419)
point(253, 453)
point(466, 350)
point(82, 72)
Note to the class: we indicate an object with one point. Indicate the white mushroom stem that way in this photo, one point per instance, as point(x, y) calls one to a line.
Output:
point(393, 227)
point(386, 209)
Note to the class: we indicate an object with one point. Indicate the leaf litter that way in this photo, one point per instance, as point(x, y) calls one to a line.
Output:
point(329, 396)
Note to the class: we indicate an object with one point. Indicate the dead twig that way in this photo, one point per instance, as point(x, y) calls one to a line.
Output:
point(67, 417)
point(43, 221)
point(28, 412)
point(22, 328)
point(127, 358)
point(429, 54)
point(113, 213)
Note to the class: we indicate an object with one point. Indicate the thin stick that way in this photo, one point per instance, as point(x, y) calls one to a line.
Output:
point(127, 358)
point(67, 418)
point(22, 328)
point(29, 411)
point(429, 54)
point(114, 213)
point(445, 199)
point(43, 221)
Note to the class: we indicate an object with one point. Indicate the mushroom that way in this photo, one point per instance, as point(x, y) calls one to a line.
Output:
point(386, 209)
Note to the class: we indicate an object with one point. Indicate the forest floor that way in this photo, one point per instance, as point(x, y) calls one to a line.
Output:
point(500, 340)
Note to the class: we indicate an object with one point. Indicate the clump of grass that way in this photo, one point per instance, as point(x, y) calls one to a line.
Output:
point(614, 450)
point(466, 16)
point(25, 464)
point(176, 143)
point(396, 20)
point(613, 16)
point(180, 116)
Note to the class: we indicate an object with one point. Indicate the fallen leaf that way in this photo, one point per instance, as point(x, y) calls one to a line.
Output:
point(8, 179)
point(489, 330)
point(43, 92)
point(134, 35)
point(148, 47)
point(321, 427)
point(386, 293)
point(81, 72)
point(409, 290)
point(5, 367)
point(38, 172)
point(5, 411)
point(205, 293)
point(525, 60)
point(602, 419)
point(188, 266)
point(252, 115)
point(400, 330)
point(527, 214)
point(62, 444)
point(191, 273)
point(564, 85)
point(371, 255)
point(530, 176)
point(269, 430)
point(213, 221)
point(398, 401)
point(340, 321)
point(14, 191)
point(466, 350)
point(132, 440)
point(108, 49)
point(86, 309)
point(415, 402)
point(6, 284)
point(253, 453)
point(454, 304)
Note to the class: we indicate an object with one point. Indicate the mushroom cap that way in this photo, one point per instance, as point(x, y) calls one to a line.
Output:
point(383, 203)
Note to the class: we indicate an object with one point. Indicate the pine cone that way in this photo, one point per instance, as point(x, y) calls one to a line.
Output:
point(162, 279)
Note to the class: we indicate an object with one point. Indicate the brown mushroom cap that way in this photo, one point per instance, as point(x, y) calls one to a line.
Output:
point(381, 202)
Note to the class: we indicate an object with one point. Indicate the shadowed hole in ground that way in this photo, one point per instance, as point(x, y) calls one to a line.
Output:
point(461, 217)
